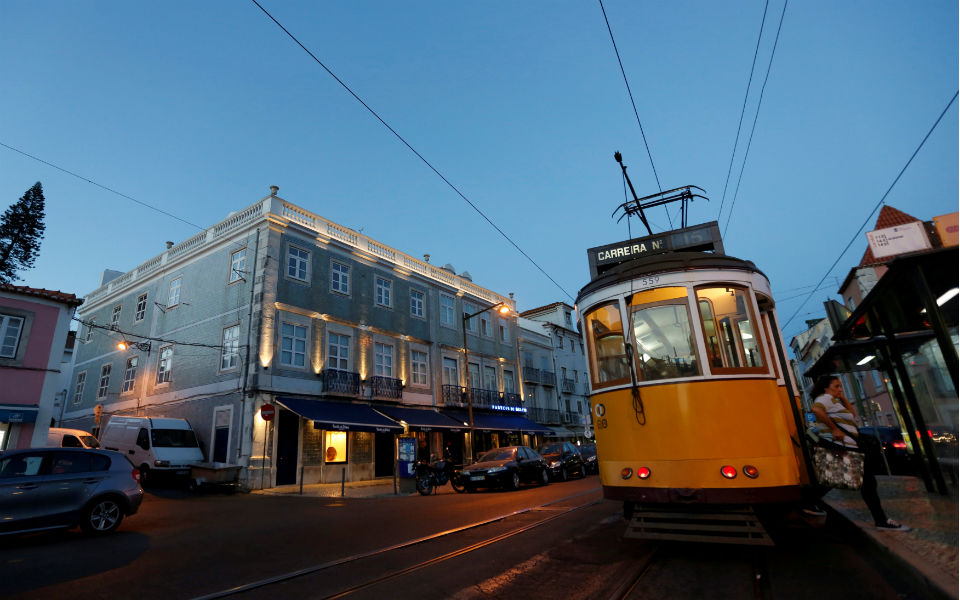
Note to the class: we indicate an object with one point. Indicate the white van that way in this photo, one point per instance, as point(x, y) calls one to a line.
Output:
point(155, 444)
point(70, 438)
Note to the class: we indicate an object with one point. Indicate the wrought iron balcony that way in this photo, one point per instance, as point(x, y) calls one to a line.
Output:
point(386, 387)
point(568, 386)
point(512, 400)
point(454, 395)
point(531, 375)
point(569, 418)
point(543, 415)
point(548, 378)
point(340, 383)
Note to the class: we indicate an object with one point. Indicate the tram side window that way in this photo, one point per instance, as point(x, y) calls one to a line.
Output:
point(728, 329)
point(665, 346)
point(608, 354)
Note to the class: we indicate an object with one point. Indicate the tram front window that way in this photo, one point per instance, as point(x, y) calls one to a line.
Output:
point(605, 343)
point(728, 329)
point(665, 346)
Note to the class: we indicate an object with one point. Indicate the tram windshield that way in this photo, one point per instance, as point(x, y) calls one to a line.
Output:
point(728, 329)
point(606, 347)
point(665, 346)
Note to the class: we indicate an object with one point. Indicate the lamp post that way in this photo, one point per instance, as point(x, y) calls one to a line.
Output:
point(503, 309)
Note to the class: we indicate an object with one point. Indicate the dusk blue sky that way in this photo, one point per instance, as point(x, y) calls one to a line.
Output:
point(196, 108)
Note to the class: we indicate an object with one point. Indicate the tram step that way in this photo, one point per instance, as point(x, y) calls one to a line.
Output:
point(734, 526)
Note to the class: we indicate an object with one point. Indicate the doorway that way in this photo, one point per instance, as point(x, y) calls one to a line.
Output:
point(383, 461)
point(288, 442)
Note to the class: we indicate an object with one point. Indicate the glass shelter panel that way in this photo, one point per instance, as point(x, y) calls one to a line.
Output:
point(664, 337)
point(607, 350)
point(729, 331)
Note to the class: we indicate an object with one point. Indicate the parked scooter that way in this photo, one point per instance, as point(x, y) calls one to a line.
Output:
point(437, 473)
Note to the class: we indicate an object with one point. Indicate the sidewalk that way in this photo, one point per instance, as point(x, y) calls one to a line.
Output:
point(928, 552)
point(375, 488)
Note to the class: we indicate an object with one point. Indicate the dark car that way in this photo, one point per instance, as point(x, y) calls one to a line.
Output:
point(563, 460)
point(589, 454)
point(506, 467)
point(894, 448)
point(50, 488)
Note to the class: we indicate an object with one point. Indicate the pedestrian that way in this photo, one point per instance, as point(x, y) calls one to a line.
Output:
point(839, 427)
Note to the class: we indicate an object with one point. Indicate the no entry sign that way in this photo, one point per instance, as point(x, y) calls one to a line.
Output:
point(267, 411)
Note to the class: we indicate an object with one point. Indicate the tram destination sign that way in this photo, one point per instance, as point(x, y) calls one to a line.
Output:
point(705, 237)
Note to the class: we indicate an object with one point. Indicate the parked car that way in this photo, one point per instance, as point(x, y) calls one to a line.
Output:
point(563, 460)
point(70, 438)
point(589, 454)
point(894, 448)
point(50, 488)
point(506, 467)
point(156, 445)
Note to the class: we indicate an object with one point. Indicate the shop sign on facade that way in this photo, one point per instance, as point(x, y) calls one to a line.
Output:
point(901, 239)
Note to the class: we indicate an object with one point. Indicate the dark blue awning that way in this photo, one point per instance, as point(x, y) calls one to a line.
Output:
point(507, 422)
point(18, 413)
point(340, 416)
point(420, 419)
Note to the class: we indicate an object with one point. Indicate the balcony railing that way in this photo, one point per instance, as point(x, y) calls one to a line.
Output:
point(531, 375)
point(386, 388)
point(454, 395)
point(511, 399)
point(548, 378)
point(340, 383)
point(544, 415)
point(568, 386)
point(569, 418)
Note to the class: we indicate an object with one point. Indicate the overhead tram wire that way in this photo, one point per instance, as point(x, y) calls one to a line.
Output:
point(746, 152)
point(875, 208)
point(634, 104)
point(743, 110)
point(411, 148)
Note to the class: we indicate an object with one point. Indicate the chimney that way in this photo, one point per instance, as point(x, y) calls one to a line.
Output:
point(273, 190)
point(169, 245)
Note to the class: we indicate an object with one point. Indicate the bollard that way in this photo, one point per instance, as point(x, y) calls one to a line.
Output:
point(343, 479)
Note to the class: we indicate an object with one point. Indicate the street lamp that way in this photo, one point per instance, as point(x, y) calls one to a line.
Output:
point(141, 346)
point(503, 309)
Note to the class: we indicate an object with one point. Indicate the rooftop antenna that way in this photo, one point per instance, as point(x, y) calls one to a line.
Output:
point(637, 205)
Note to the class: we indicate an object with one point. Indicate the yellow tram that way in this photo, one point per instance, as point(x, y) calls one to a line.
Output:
point(691, 403)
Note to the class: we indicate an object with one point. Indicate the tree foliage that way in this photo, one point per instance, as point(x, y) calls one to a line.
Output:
point(21, 229)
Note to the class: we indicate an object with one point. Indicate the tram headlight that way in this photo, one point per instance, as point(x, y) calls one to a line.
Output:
point(751, 471)
point(626, 473)
point(728, 471)
point(643, 472)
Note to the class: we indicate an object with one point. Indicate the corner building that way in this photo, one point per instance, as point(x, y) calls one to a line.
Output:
point(352, 342)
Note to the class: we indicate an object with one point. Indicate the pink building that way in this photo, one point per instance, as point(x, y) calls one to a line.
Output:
point(33, 332)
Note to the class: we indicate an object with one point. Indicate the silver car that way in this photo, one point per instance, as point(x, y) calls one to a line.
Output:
point(48, 488)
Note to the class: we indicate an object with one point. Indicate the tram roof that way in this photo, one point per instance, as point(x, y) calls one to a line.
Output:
point(666, 262)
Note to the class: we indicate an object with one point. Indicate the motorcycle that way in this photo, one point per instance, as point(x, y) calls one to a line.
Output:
point(435, 474)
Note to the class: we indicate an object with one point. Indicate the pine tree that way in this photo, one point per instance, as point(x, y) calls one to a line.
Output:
point(21, 229)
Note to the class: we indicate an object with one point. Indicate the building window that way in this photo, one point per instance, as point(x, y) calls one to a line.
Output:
point(485, 325)
point(509, 384)
point(339, 278)
point(504, 331)
point(165, 365)
point(568, 318)
point(238, 265)
point(115, 317)
point(141, 308)
point(104, 381)
point(416, 303)
point(293, 345)
point(338, 352)
point(335, 443)
point(130, 374)
point(78, 391)
point(450, 376)
point(298, 261)
point(90, 327)
point(418, 367)
point(230, 348)
point(469, 309)
point(383, 291)
point(173, 298)
point(490, 378)
point(383, 360)
point(448, 309)
point(10, 328)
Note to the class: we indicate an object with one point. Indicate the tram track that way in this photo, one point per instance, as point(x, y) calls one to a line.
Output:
point(551, 508)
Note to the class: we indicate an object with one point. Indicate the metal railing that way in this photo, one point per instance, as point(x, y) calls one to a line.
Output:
point(386, 387)
point(531, 375)
point(568, 386)
point(548, 378)
point(340, 383)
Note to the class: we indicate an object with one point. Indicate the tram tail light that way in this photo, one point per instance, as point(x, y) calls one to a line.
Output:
point(751, 471)
point(626, 473)
point(643, 473)
point(728, 472)
point(900, 445)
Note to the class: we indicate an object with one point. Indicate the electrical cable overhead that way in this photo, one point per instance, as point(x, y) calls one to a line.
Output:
point(746, 152)
point(743, 110)
point(634, 104)
point(875, 208)
point(411, 148)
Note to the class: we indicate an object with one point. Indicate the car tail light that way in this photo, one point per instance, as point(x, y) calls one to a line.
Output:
point(751, 471)
point(136, 474)
point(728, 472)
point(626, 473)
point(900, 445)
point(643, 472)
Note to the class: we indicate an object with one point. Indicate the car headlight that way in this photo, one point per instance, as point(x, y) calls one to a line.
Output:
point(555, 464)
point(496, 469)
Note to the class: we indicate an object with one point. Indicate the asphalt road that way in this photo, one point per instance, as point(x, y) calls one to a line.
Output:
point(184, 545)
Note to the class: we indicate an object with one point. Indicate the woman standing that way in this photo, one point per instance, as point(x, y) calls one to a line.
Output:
point(836, 413)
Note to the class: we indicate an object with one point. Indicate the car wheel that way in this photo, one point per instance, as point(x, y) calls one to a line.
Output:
point(544, 477)
point(583, 470)
point(144, 475)
point(563, 474)
point(102, 516)
point(514, 481)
